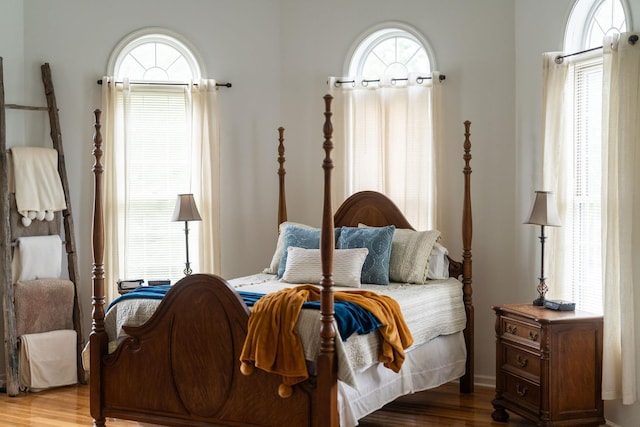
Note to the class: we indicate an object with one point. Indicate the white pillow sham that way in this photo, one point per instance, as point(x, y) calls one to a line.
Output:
point(304, 266)
point(438, 263)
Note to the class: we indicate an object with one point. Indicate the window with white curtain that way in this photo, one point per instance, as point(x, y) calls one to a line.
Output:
point(588, 23)
point(386, 108)
point(154, 165)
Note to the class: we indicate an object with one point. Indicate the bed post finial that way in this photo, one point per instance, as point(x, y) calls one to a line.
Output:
point(327, 366)
point(282, 200)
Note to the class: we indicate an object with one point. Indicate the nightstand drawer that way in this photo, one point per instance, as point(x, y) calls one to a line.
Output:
point(521, 362)
point(521, 392)
point(518, 331)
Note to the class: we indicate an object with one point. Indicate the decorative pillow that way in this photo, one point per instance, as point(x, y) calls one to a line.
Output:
point(275, 260)
point(438, 263)
point(378, 241)
point(410, 253)
point(304, 266)
point(301, 237)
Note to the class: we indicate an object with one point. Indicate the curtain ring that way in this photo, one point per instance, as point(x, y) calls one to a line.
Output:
point(419, 80)
point(559, 59)
point(364, 83)
point(633, 39)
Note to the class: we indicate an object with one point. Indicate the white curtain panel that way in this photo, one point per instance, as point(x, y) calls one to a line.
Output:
point(113, 218)
point(557, 105)
point(206, 159)
point(389, 132)
point(621, 210)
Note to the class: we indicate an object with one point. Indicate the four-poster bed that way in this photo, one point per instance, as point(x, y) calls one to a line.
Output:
point(182, 367)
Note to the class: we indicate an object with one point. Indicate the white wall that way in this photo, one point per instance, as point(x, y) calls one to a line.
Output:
point(278, 54)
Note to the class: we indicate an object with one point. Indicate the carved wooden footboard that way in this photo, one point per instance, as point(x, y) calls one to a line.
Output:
point(186, 361)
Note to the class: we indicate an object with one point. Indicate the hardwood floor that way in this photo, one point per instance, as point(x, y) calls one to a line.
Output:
point(444, 406)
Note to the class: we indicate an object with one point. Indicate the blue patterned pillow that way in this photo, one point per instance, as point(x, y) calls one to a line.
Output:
point(378, 241)
point(299, 237)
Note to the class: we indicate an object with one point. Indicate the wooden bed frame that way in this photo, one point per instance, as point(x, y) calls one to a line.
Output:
point(182, 367)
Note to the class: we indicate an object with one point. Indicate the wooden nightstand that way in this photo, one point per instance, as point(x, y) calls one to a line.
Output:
point(548, 365)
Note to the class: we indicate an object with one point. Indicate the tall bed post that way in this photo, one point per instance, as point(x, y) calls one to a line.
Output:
point(98, 338)
point(466, 382)
point(282, 200)
point(327, 366)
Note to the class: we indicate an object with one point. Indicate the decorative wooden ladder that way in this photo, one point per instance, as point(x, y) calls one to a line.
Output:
point(6, 282)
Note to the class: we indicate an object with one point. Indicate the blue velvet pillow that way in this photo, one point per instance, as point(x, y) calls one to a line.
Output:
point(378, 241)
point(306, 238)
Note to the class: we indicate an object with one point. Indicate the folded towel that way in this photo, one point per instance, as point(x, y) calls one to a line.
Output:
point(37, 183)
point(43, 305)
point(48, 360)
point(37, 257)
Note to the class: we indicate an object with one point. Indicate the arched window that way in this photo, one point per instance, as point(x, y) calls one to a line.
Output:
point(591, 20)
point(151, 101)
point(388, 110)
point(155, 57)
point(588, 23)
point(390, 52)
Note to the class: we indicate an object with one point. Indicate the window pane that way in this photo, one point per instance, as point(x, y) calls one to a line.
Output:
point(587, 271)
point(156, 161)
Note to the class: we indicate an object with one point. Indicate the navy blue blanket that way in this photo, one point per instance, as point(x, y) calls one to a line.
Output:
point(350, 317)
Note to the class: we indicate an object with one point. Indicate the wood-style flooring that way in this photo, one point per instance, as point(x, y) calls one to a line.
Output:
point(441, 407)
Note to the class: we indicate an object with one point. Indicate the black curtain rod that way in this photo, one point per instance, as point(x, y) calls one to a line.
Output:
point(632, 41)
point(419, 80)
point(168, 84)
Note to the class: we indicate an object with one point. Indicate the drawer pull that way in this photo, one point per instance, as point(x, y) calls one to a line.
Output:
point(533, 336)
point(522, 362)
point(522, 391)
point(511, 328)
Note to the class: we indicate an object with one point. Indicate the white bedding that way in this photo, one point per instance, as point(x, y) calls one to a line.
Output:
point(432, 310)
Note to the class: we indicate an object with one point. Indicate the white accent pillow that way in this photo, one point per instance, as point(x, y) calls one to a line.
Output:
point(304, 266)
point(438, 263)
point(275, 260)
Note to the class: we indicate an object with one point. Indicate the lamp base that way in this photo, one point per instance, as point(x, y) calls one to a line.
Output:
point(539, 302)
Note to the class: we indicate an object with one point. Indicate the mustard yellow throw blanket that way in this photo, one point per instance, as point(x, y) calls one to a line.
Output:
point(273, 344)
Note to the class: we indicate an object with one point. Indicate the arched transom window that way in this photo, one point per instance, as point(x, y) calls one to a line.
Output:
point(390, 52)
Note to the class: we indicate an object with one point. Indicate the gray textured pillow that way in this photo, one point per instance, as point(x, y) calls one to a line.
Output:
point(410, 252)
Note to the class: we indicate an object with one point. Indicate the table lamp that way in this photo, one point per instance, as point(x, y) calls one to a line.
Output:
point(543, 213)
point(186, 210)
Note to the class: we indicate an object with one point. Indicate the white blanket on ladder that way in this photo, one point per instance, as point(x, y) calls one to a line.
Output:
point(48, 360)
point(38, 187)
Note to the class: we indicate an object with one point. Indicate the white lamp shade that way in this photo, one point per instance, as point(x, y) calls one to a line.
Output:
point(544, 210)
point(186, 209)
